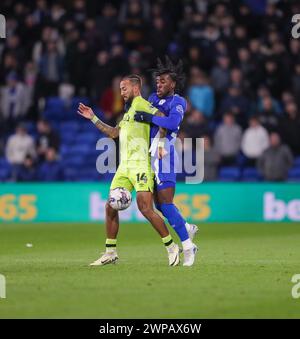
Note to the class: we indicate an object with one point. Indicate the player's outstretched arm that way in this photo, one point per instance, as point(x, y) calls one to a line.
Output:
point(87, 112)
point(170, 122)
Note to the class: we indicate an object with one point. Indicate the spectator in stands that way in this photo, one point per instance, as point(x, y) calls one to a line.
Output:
point(118, 61)
point(14, 101)
point(268, 116)
point(78, 11)
point(286, 98)
point(196, 125)
point(111, 102)
point(49, 34)
point(14, 47)
point(255, 141)
point(197, 58)
point(228, 140)
point(200, 93)
point(133, 16)
point(240, 36)
point(211, 160)
point(19, 145)
point(246, 65)
point(262, 93)
point(192, 28)
point(294, 48)
point(27, 172)
point(276, 160)
point(159, 28)
point(2, 142)
point(51, 169)
point(135, 62)
point(92, 35)
point(100, 76)
point(80, 76)
point(47, 138)
point(51, 70)
point(30, 78)
point(107, 23)
point(220, 75)
point(89, 43)
point(290, 127)
point(9, 64)
point(235, 102)
point(273, 78)
point(296, 82)
point(237, 80)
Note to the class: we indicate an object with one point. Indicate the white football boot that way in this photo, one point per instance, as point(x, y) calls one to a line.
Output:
point(173, 254)
point(189, 256)
point(192, 230)
point(109, 257)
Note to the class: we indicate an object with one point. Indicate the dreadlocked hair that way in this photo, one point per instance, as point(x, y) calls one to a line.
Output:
point(175, 71)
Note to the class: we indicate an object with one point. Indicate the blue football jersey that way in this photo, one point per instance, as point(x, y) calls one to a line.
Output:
point(174, 105)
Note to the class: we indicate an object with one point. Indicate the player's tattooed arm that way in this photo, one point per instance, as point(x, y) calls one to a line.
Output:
point(87, 112)
point(112, 132)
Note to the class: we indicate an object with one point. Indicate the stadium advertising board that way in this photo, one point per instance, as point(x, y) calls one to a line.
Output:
point(215, 202)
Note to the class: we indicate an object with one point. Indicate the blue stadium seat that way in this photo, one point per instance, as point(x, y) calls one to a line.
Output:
point(54, 109)
point(4, 162)
point(64, 150)
point(106, 176)
point(73, 161)
point(67, 138)
point(240, 160)
point(98, 112)
point(80, 149)
point(229, 174)
point(69, 126)
point(5, 170)
point(294, 174)
point(88, 174)
point(87, 138)
point(57, 109)
point(90, 161)
point(55, 104)
point(4, 174)
point(70, 173)
point(87, 127)
point(297, 162)
point(77, 100)
point(251, 174)
point(31, 127)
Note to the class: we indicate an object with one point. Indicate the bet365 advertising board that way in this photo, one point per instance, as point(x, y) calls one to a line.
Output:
point(212, 202)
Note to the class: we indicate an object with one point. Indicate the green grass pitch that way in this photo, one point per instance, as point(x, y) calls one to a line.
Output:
point(243, 270)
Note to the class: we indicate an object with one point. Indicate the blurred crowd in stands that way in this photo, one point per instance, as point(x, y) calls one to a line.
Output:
point(243, 82)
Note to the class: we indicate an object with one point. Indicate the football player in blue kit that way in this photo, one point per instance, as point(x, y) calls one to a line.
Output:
point(168, 77)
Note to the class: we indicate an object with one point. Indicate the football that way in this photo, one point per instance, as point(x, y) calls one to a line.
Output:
point(119, 198)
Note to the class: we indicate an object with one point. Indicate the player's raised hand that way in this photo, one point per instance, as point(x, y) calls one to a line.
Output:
point(85, 111)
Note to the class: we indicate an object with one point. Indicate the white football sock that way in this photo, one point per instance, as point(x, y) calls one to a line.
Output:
point(187, 226)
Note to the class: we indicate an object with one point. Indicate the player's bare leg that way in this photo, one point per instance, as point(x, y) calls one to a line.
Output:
point(164, 202)
point(145, 205)
point(112, 222)
point(112, 228)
